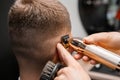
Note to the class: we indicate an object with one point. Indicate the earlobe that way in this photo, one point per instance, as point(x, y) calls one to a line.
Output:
point(56, 57)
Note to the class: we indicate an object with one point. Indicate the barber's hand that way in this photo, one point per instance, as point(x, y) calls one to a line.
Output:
point(73, 70)
point(108, 40)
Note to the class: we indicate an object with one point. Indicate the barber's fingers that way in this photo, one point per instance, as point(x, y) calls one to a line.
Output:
point(78, 56)
point(64, 71)
point(86, 58)
point(65, 56)
point(70, 49)
point(96, 38)
point(93, 62)
point(89, 39)
point(60, 77)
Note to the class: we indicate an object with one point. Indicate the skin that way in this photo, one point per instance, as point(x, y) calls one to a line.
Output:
point(108, 40)
point(71, 71)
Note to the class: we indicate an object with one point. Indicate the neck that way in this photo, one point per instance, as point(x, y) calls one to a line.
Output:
point(29, 70)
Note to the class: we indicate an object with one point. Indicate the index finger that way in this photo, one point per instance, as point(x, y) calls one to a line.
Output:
point(96, 38)
point(65, 55)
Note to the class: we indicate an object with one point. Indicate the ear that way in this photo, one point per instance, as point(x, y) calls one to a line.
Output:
point(56, 57)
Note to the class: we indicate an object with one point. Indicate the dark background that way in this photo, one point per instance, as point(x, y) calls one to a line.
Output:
point(94, 17)
point(94, 20)
point(8, 64)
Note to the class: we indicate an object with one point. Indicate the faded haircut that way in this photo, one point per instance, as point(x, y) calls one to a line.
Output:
point(31, 22)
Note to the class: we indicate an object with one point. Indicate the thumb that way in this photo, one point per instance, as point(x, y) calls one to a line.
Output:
point(96, 38)
point(65, 55)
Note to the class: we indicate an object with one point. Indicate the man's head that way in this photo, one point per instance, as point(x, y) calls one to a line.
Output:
point(35, 27)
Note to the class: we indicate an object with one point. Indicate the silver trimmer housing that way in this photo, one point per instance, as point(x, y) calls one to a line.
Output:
point(99, 51)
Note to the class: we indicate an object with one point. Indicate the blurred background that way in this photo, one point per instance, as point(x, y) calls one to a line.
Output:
point(8, 64)
point(92, 16)
point(87, 17)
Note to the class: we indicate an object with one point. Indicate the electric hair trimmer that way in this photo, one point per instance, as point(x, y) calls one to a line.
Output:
point(97, 53)
point(101, 55)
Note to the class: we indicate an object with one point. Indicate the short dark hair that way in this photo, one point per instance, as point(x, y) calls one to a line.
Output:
point(32, 19)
